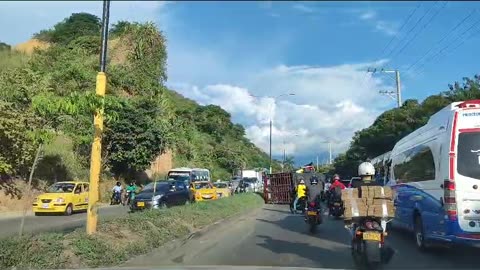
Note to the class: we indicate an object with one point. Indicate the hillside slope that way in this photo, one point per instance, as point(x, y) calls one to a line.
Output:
point(53, 91)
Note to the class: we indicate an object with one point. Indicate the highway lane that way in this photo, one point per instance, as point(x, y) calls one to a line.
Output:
point(33, 224)
point(274, 237)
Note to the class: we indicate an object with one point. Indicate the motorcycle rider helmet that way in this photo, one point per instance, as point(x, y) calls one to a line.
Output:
point(118, 183)
point(366, 169)
point(313, 181)
point(336, 177)
point(302, 181)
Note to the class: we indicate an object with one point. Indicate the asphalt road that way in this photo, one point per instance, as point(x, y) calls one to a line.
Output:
point(274, 237)
point(33, 224)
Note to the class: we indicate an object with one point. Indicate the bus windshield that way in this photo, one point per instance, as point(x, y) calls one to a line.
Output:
point(179, 176)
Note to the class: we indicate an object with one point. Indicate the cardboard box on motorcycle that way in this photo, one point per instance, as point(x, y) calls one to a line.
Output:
point(375, 201)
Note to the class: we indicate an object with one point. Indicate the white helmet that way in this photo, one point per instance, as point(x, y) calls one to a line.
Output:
point(366, 169)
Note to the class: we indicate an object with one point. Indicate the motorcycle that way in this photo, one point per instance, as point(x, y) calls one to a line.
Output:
point(368, 244)
point(312, 217)
point(300, 204)
point(129, 197)
point(116, 198)
point(336, 208)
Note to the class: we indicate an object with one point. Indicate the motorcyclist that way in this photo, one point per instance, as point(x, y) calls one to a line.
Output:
point(301, 192)
point(131, 190)
point(314, 191)
point(336, 183)
point(117, 190)
point(366, 172)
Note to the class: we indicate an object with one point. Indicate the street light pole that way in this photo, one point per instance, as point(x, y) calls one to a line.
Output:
point(96, 154)
point(271, 124)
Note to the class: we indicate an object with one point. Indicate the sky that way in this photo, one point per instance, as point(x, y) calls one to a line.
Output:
point(301, 64)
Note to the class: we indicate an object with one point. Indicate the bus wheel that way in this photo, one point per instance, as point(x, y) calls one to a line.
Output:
point(419, 234)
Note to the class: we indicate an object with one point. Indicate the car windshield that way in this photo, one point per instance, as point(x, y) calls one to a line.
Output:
point(250, 179)
point(221, 185)
point(158, 186)
point(61, 188)
point(468, 162)
point(202, 185)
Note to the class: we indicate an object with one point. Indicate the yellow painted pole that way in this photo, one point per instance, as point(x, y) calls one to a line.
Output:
point(96, 155)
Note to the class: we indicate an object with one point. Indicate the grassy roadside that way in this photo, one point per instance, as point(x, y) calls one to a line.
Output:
point(119, 239)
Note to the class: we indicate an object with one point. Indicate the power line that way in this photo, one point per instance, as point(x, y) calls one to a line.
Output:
point(451, 43)
point(401, 28)
point(411, 29)
point(460, 44)
point(442, 39)
point(421, 29)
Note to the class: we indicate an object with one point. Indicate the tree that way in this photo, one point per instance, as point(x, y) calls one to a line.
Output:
point(77, 25)
point(4, 46)
point(120, 28)
point(135, 139)
point(289, 164)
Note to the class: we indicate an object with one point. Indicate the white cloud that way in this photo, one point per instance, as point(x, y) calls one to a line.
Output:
point(371, 17)
point(303, 8)
point(388, 28)
point(368, 15)
point(330, 103)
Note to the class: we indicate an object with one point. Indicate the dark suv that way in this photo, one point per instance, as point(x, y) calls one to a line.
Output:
point(161, 195)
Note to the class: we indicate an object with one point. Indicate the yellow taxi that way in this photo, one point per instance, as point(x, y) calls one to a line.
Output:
point(223, 190)
point(62, 197)
point(203, 191)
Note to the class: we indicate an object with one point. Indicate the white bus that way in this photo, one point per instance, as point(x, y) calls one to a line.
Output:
point(436, 175)
point(189, 174)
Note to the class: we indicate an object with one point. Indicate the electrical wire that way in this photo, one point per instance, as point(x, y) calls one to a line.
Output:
point(420, 31)
point(412, 28)
point(442, 39)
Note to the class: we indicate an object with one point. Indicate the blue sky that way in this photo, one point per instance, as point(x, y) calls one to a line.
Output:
point(224, 52)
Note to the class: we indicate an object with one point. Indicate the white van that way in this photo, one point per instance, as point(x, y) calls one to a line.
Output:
point(435, 172)
point(382, 165)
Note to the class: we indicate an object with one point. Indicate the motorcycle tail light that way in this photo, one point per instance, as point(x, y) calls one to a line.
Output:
point(312, 204)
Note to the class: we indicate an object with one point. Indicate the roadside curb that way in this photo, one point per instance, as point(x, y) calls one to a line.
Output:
point(19, 214)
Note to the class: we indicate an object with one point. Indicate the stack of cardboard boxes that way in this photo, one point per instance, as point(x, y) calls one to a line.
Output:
point(375, 201)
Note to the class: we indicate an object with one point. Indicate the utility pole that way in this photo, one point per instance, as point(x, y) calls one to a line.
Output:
point(270, 145)
point(396, 95)
point(284, 156)
point(96, 154)
point(330, 152)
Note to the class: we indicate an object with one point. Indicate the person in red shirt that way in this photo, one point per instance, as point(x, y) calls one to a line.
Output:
point(337, 183)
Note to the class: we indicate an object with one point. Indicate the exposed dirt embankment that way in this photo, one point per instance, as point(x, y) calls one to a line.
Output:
point(29, 46)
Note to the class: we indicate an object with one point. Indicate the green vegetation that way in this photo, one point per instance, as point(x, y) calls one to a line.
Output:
point(396, 123)
point(48, 98)
point(119, 239)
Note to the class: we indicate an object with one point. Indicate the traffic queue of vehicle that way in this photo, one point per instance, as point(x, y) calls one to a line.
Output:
point(182, 186)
